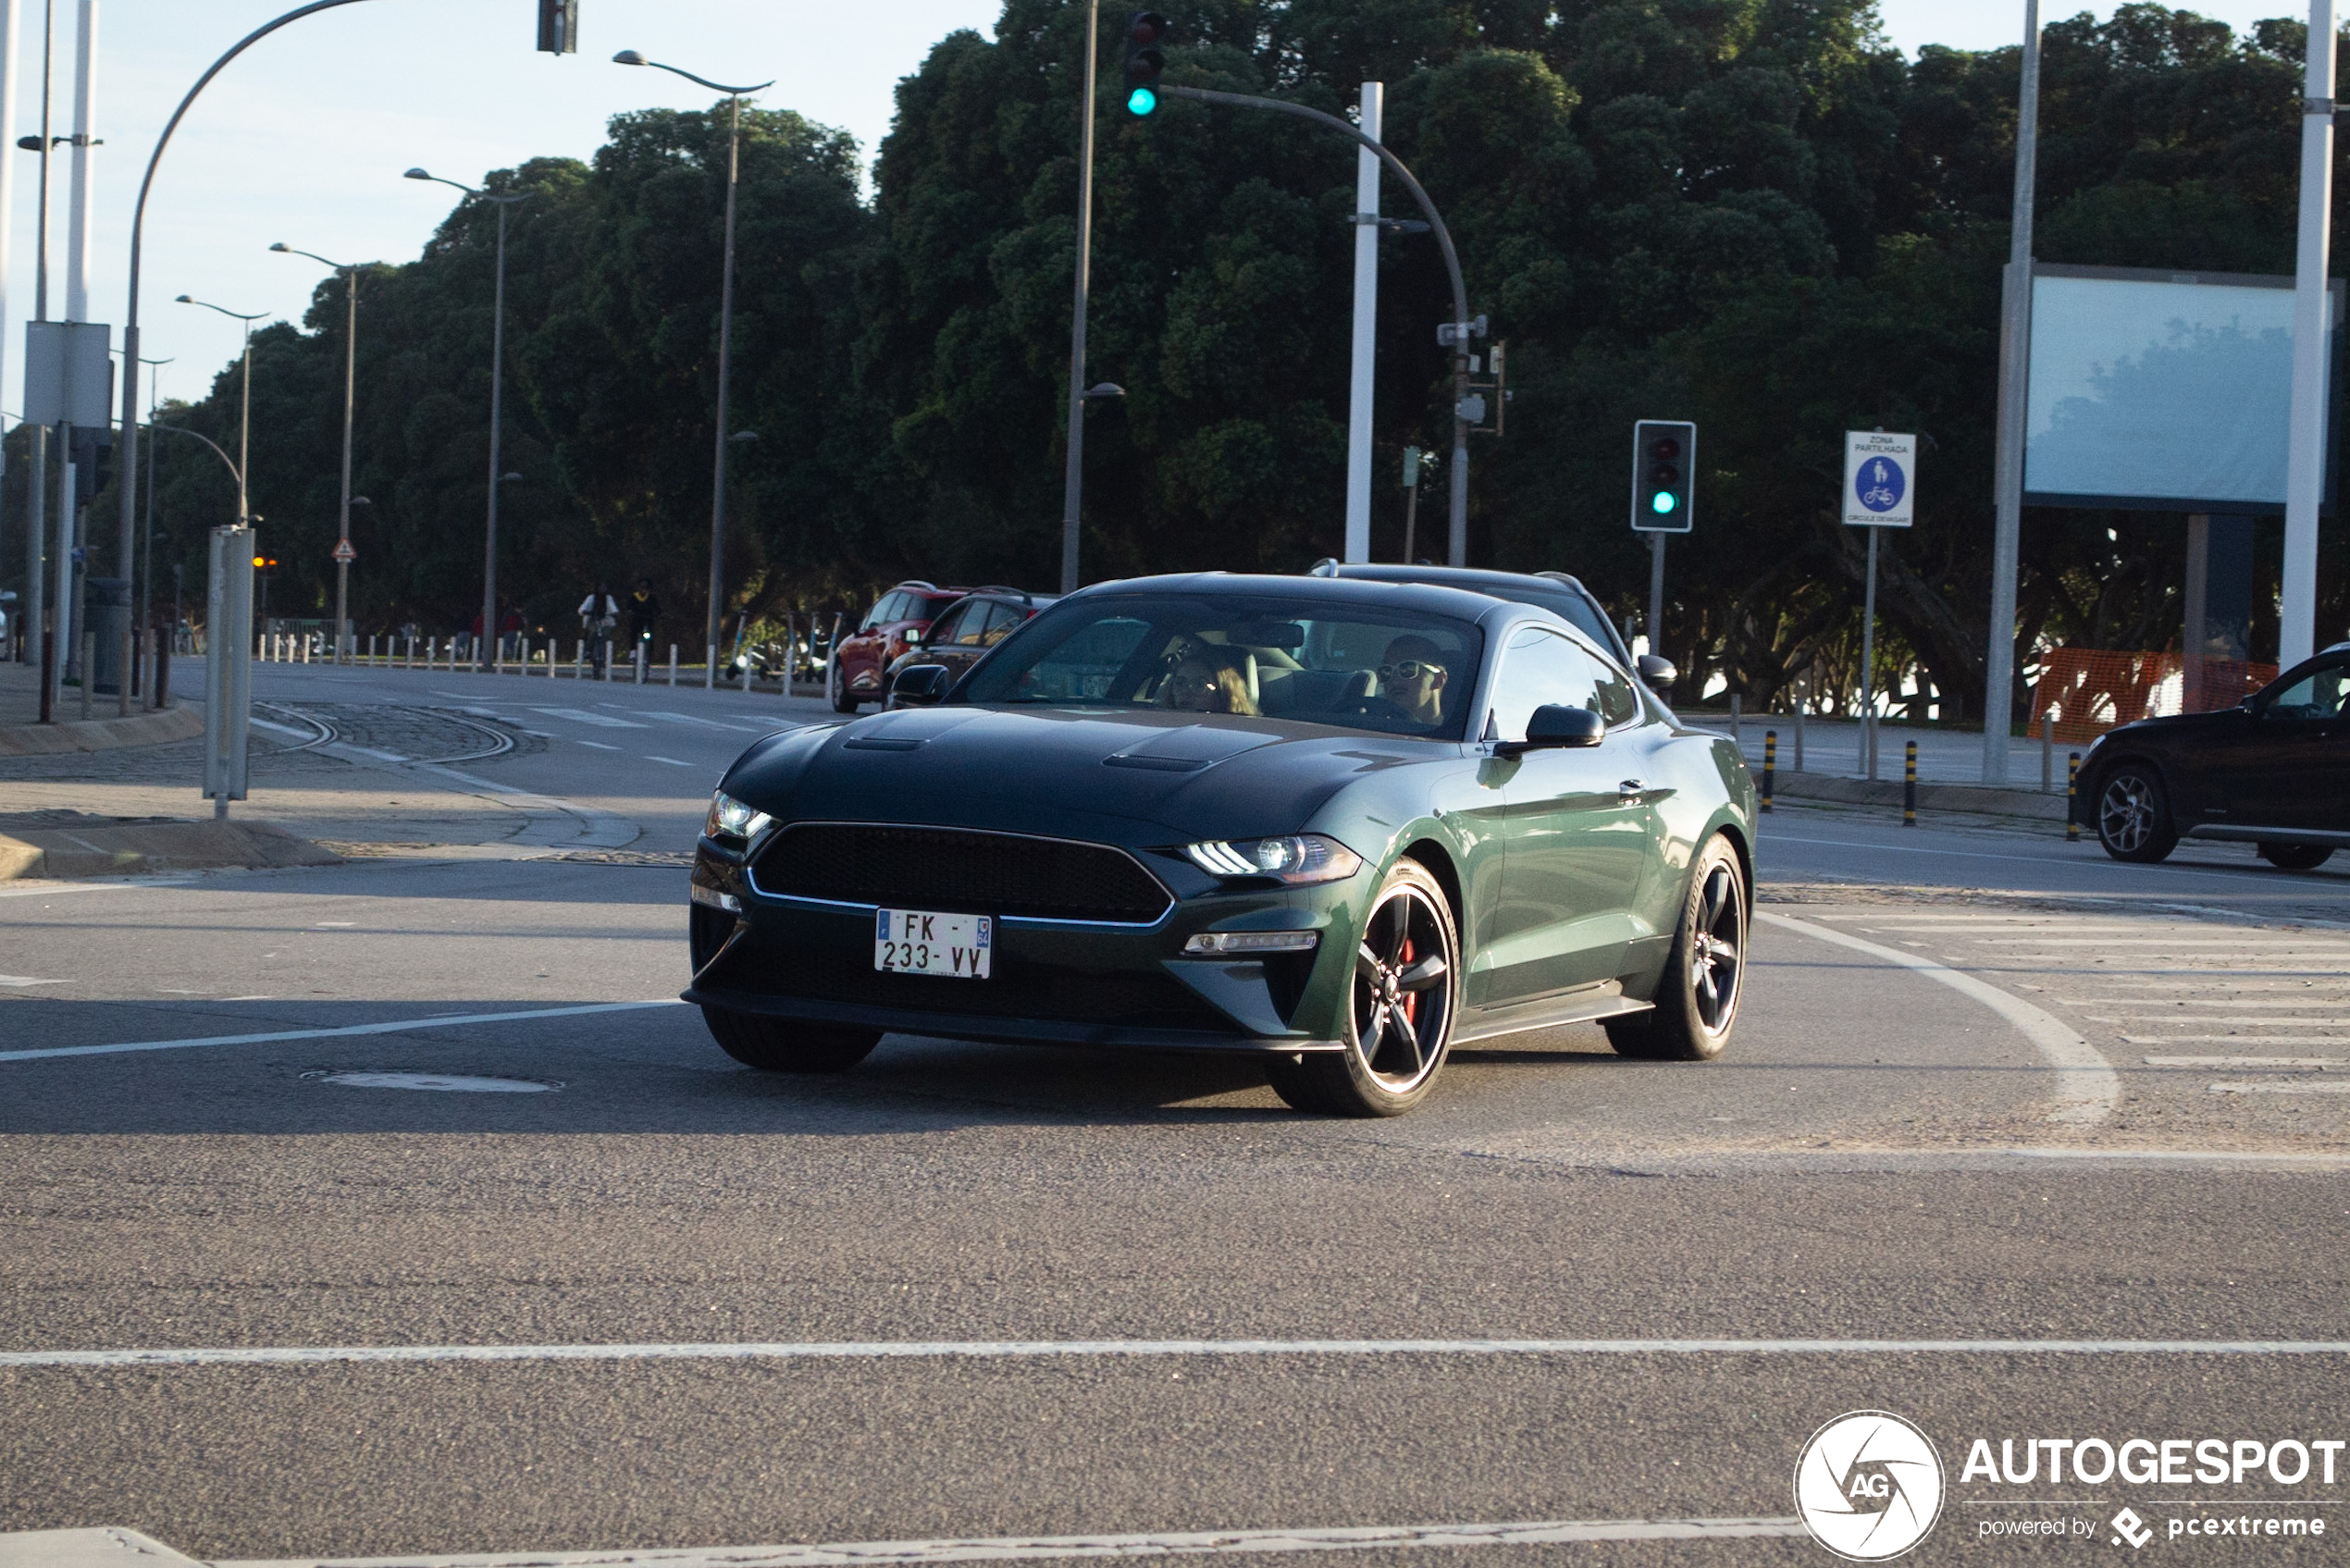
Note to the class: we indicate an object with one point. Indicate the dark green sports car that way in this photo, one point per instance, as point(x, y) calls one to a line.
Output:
point(1341, 825)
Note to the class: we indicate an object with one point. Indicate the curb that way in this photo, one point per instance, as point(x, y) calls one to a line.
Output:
point(101, 735)
point(1971, 799)
point(82, 846)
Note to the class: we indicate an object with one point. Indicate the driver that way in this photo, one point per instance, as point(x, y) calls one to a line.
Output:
point(1412, 677)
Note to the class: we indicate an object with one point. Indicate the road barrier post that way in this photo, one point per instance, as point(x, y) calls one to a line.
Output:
point(1769, 764)
point(1910, 784)
point(89, 671)
point(673, 664)
point(2047, 750)
point(1801, 702)
point(2072, 791)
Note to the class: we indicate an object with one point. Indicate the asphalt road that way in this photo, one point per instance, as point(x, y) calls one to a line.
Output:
point(2013, 1141)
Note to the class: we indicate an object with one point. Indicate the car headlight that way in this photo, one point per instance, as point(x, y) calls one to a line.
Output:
point(729, 818)
point(1298, 859)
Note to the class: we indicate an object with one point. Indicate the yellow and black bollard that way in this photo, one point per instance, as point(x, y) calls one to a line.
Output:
point(1769, 764)
point(2071, 789)
point(1910, 784)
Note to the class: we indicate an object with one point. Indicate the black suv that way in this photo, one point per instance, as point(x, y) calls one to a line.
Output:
point(967, 629)
point(2274, 772)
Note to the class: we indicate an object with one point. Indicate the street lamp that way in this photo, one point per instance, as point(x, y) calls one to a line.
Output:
point(726, 345)
point(244, 414)
point(497, 388)
point(350, 271)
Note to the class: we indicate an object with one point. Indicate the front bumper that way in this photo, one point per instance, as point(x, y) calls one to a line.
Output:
point(1052, 982)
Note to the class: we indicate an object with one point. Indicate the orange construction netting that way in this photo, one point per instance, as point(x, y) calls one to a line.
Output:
point(2092, 689)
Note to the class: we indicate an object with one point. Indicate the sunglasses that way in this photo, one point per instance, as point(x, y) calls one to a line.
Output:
point(1408, 669)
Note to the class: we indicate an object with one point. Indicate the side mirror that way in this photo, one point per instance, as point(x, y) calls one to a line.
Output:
point(919, 685)
point(913, 637)
point(1657, 673)
point(1556, 727)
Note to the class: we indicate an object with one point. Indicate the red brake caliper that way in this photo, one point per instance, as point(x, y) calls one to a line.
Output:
point(1411, 998)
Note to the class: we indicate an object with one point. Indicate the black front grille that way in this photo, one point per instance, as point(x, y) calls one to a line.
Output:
point(957, 872)
point(1113, 999)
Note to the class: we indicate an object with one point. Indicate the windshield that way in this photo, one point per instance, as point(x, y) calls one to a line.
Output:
point(1355, 668)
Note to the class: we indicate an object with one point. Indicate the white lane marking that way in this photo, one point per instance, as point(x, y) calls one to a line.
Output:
point(711, 723)
point(1003, 1548)
point(2302, 1062)
point(395, 1026)
point(1982, 923)
point(125, 884)
point(2087, 1089)
point(2300, 1088)
point(581, 715)
point(371, 751)
point(599, 745)
point(23, 981)
point(671, 761)
point(2249, 1021)
point(1036, 1350)
point(2321, 1002)
point(2228, 1039)
point(282, 729)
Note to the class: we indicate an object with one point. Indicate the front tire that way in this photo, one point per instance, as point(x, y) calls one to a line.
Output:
point(785, 1045)
point(2133, 815)
point(1399, 1020)
point(836, 685)
point(1697, 1002)
point(2294, 857)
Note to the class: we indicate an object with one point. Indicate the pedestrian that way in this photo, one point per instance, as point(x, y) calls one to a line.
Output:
point(509, 629)
point(599, 613)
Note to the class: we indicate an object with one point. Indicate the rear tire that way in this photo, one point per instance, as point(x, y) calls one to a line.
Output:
point(838, 690)
point(2294, 857)
point(2133, 815)
point(1400, 1007)
point(1697, 1002)
point(787, 1044)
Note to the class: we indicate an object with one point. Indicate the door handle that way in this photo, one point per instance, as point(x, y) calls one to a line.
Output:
point(1631, 786)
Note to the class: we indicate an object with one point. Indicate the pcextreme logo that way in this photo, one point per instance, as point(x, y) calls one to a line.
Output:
point(1868, 1485)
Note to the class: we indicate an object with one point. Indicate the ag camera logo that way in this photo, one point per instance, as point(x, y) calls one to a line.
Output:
point(1868, 1485)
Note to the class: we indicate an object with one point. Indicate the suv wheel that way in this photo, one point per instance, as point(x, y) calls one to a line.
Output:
point(2294, 857)
point(2133, 815)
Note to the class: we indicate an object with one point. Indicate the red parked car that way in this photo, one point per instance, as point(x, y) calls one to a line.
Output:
point(895, 622)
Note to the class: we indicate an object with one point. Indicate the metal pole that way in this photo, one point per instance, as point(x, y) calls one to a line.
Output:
point(350, 358)
point(8, 19)
point(244, 434)
point(2015, 359)
point(1868, 667)
point(1656, 594)
point(1073, 471)
point(147, 547)
point(2305, 449)
point(1359, 390)
point(497, 404)
point(726, 350)
point(1459, 552)
point(39, 622)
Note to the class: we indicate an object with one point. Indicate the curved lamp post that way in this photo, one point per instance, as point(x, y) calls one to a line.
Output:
point(350, 271)
point(497, 388)
point(244, 414)
point(726, 345)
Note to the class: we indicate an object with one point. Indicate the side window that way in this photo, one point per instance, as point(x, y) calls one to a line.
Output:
point(1539, 668)
point(1085, 664)
point(890, 607)
point(941, 631)
point(2317, 695)
point(1617, 702)
point(1001, 619)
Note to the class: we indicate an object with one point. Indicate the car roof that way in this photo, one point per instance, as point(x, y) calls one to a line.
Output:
point(1480, 579)
point(1461, 604)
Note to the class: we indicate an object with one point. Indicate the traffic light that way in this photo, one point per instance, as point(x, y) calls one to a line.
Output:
point(265, 563)
point(1664, 476)
point(1144, 60)
point(558, 27)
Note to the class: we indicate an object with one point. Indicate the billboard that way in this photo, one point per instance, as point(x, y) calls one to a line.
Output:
point(2161, 391)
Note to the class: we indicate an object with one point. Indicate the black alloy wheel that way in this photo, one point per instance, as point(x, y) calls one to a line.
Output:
point(2294, 857)
point(1405, 987)
point(1697, 1001)
point(2133, 815)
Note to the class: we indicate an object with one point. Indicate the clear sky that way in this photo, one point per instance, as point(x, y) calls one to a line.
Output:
point(303, 138)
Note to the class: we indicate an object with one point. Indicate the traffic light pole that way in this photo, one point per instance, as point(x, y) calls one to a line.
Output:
point(1656, 594)
point(1073, 476)
point(1460, 332)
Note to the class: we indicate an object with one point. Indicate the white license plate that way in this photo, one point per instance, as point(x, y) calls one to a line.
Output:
point(921, 941)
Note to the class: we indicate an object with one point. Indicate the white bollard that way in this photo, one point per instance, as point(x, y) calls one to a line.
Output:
point(673, 664)
point(579, 660)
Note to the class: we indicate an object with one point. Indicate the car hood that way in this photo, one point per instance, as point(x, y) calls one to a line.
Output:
point(1136, 777)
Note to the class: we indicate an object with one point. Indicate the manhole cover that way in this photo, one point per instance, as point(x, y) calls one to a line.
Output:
point(447, 1082)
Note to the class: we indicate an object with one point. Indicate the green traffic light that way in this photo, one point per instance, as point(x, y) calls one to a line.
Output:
point(1142, 101)
point(1662, 503)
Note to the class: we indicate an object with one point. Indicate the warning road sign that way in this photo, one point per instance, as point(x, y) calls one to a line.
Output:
point(1880, 479)
point(344, 553)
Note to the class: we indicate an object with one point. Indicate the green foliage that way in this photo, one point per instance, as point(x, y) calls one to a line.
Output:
point(1750, 213)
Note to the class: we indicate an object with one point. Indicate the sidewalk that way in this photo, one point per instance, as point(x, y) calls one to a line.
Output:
point(1831, 747)
point(22, 734)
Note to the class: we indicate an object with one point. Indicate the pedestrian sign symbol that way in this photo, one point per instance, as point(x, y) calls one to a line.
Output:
point(1879, 492)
